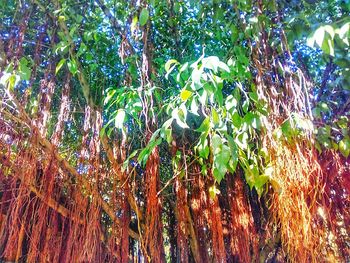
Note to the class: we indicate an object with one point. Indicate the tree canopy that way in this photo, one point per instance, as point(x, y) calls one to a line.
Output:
point(174, 131)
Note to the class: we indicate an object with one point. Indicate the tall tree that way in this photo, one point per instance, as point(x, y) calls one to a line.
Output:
point(181, 131)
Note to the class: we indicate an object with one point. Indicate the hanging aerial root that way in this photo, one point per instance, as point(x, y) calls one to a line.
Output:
point(334, 208)
point(243, 236)
point(153, 234)
point(215, 223)
point(199, 208)
point(297, 183)
point(181, 203)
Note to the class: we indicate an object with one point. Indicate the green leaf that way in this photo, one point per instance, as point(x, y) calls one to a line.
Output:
point(324, 107)
point(236, 120)
point(216, 143)
point(72, 66)
point(203, 98)
point(82, 49)
point(344, 146)
point(24, 69)
point(259, 183)
point(57, 11)
point(168, 135)
point(219, 173)
point(245, 106)
point(59, 65)
point(12, 81)
point(215, 116)
point(318, 147)
point(204, 170)
point(143, 18)
point(342, 122)
point(253, 96)
point(126, 162)
point(234, 33)
point(25, 73)
point(177, 7)
point(328, 46)
point(288, 128)
point(219, 97)
point(222, 154)
point(269, 170)
point(251, 174)
point(252, 120)
point(154, 137)
point(232, 165)
point(335, 146)
point(205, 126)
point(143, 156)
point(323, 37)
point(203, 148)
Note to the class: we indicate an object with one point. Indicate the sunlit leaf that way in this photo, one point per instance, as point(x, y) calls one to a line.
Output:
point(205, 126)
point(194, 107)
point(61, 18)
point(59, 65)
point(211, 62)
point(213, 191)
point(319, 36)
point(170, 63)
point(179, 116)
point(330, 30)
point(185, 94)
point(216, 143)
point(344, 33)
point(223, 66)
point(119, 118)
point(344, 146)
point(230, 102)
point(215, 116)
point(133, 25)
point(196, 75)
point(184, 67)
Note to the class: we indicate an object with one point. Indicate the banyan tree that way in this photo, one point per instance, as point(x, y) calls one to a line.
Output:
point(174, 131)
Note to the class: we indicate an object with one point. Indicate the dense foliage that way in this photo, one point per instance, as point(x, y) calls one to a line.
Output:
point(174, 131)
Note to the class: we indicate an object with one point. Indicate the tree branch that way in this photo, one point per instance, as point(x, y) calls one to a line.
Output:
point(117, 28)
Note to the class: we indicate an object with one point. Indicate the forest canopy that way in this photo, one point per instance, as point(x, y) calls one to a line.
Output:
point(174, 131)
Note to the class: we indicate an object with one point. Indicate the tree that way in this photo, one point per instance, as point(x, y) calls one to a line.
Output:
point(157, 131)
